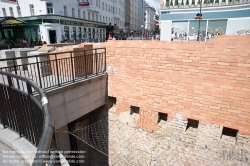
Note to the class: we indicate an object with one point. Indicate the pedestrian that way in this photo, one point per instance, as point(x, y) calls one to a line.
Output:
point(24, 43)
point(65, 39)
point(110, 37)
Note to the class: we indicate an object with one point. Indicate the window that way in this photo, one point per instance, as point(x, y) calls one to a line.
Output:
point(100, 19)
point(79, 14)
point(18, 11)
point(32, 10)
point(83, 14)
point(103, 6)
point(65, 10)
point(96, 17)
point(4, 12)
point(88, 16)
point(11, 12)
point(50, 8)
point(73, 12)
point(103, 19)
point(93, 17)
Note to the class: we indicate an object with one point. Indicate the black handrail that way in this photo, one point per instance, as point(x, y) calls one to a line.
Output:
point(51, 70)
point(45, 139)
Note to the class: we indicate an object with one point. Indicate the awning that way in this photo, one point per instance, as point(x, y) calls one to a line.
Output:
point(10, 20)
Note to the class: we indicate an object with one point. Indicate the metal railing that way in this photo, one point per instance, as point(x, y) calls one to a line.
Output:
point(206, 3)
point(52, 70)
point(21, 112)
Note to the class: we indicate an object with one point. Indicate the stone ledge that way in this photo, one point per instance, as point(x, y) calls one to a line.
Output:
point(18, 144)
point(22, 146)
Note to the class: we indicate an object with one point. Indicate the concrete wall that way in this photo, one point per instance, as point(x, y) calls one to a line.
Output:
point(233, 25)
point(73, 101)
point(166, 30)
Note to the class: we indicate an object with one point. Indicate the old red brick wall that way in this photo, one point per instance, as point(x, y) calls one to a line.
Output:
point(209, 82)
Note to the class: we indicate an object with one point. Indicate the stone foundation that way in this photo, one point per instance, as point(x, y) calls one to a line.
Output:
point(173, 143)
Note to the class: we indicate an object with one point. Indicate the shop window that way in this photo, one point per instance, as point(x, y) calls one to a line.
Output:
point(18, 11)
point(65, 10)
point(32, 12)
point(4, 12)
point(179, 29)
point(216, 27)
point(50, 8)
point(11, 12)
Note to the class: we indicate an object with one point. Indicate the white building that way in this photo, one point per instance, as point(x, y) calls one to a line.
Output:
point(178, 21)
point(150, 21)
point(134, 16)
point(52, 20)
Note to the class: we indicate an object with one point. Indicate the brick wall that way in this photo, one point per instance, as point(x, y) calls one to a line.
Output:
point(209, 82)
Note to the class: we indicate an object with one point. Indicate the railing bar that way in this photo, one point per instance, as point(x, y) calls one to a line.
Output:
point(13, 111)
point(64, 71)
point(57, 71)
point(50, 76)
point(30, 112)
point(61, 71)
point(39, 74)
point(45, 79)
point(28, 116)
point(10, 115)
point(85, 67)
point(68, 73)
point(34, 120)
point(4, 108)
point(21, 117)
point(72, 67)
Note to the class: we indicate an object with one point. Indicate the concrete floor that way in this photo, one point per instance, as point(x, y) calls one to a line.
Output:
point(8, 156)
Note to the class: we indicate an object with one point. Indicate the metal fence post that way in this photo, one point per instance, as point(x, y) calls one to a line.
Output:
point(57, 70)
point(105, 60)
point(85, 64)
point(38, 70)
point(72, 68)
point(96, 60)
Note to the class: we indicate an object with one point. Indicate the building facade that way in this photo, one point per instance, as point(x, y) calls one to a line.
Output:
point(135, 16)
point(53, 20)
point(177, 19)
point(150, 19)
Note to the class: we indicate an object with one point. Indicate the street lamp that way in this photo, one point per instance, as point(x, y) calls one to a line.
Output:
point(199, 16)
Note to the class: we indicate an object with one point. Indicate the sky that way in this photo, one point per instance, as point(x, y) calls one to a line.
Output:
point(155, 3)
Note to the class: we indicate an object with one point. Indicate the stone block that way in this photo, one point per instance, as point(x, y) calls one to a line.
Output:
point(43, 66)
point(56, 100)
point(71, 107)
point(9, 64)
point(83, 101)
point(22, 52)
